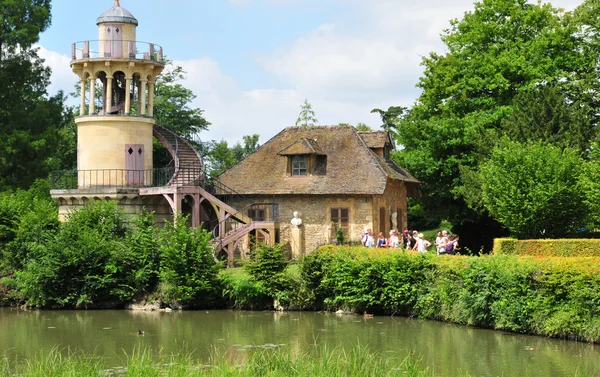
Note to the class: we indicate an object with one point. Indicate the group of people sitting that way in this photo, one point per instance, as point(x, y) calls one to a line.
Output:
point(444, 242)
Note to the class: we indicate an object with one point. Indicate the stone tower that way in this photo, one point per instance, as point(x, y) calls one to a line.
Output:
point(115, 123)
point(115, 130)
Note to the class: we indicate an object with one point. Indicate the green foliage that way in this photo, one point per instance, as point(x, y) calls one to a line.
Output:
point(532, 189)
point(241, 291)
point(589, 182)
point(306, 118)
point(339, 234)
point(572, 247)
point(390, 117)
point(363, 127)
point(172, 103)
point(188, 269)
point(22, 21)
point(418, 218)
point(494, 52)
point(94, 260)
point(27, 219)
point(266, 266)
point(139, 263)
point(376, 281)
point(31, 123)
point(547, 296)
point(546, 115)
point(77, 267)
point(221, 157)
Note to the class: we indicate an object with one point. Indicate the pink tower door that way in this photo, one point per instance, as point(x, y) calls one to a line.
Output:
point(134, 164)
point(113, 46)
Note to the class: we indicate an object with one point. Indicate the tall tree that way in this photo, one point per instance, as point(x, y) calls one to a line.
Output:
point(390, 117)
point(306, 117)
point(21, 22)
point(30, 122)
point(363, 127)
point(501, 48)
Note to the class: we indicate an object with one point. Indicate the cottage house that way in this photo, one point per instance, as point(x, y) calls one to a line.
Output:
point(332, 176)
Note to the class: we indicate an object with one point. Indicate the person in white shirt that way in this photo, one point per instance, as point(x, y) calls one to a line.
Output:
point(368, 240)
point(394, 240)
point(422, 243)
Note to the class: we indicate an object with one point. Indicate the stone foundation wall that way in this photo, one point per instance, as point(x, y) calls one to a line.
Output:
point(128, 199)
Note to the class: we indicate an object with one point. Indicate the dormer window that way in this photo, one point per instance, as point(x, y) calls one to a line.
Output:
point(305, 158)
point(299, 165)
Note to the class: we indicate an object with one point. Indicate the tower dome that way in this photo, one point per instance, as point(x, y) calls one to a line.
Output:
point(117, 14)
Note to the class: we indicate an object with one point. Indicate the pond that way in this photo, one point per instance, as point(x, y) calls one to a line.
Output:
point(446, 349)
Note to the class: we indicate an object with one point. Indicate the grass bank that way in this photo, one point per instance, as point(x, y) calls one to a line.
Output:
point(261, 362)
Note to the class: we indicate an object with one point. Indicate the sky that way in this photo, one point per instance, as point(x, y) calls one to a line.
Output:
point(252, 63)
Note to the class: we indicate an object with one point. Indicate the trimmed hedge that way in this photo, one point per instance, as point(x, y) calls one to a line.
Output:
point(556, 297)
point(576, 247)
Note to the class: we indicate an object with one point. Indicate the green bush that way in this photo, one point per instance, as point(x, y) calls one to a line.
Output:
point(532, 189)
point(557, 297)
point(77, 266)
point(241, 291)
point(550, 248)
point(139, 263)
point(188, 268)
point(27, 218)
point(266, 267)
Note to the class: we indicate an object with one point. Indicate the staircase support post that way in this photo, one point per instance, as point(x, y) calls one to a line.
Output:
point(196, 211)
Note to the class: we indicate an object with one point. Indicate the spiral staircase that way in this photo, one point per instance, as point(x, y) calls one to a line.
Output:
point(188, 179)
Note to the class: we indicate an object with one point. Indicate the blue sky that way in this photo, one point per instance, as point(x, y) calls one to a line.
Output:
point(251, 63)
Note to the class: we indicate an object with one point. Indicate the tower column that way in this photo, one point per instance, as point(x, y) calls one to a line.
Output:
point(92, 96)
point(139, 97)
point(82, 99)
point(127, 95)
point(142, 94)
point(151, 98)
point(109, 81)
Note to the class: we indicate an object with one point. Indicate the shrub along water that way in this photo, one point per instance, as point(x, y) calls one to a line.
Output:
point(98, 259)
point(555, 297)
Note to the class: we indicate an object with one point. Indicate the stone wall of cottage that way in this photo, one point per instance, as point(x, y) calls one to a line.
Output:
point(314, 210)
point(392, 201)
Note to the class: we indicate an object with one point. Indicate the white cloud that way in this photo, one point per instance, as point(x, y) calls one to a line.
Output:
point(62, 77)
point(367, 57)
point(232, 111)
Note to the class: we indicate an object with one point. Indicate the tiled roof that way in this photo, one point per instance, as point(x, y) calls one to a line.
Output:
point(352, 167)
point(375, 139)
point(302, 146)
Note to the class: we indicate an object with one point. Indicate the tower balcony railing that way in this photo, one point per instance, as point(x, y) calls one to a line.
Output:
point(124, 49)
point(110, 178)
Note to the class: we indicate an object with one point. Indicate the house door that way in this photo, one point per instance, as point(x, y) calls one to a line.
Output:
point(134, 164)
point(113, 43)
